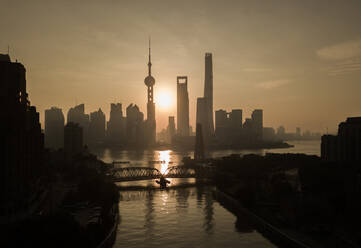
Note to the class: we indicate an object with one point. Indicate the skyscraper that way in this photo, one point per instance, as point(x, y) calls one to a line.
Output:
point(182, 106)
point(97, 127)
point(116, 125)
point(257, 120)
point(77, 115)
point(54, 128)
point(208, 94)
point(134, 126)
point(235, 118)
point(171, 128)
point(202, 115)
point(151, 124)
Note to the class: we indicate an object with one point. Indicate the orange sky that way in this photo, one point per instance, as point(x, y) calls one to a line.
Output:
point(300, 61)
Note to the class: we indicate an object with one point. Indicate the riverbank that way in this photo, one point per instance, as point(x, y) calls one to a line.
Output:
point(190, 147)
point(277, 236)
point(301, 195)
point(80, 209)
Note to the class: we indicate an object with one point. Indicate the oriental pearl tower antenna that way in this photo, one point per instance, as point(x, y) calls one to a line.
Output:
point(149, 81)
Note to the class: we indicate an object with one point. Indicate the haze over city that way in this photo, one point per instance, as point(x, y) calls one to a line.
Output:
point(299, 61)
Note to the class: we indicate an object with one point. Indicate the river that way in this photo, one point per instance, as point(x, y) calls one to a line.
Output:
point(183, 215)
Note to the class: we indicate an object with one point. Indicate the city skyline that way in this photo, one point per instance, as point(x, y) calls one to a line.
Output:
point(301, 75)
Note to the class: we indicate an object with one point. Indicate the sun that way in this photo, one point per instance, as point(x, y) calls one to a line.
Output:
point(163, 99)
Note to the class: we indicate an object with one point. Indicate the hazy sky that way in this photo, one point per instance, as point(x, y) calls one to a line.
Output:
point(300, 61)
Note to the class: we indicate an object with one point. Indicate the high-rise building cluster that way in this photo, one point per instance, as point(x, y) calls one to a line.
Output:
point(120, 130)
point(22, 140)
point(346, 145)
point(230, 128)
point(131, 130)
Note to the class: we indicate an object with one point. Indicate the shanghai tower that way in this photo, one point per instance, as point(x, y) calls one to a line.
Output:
point(208, 95)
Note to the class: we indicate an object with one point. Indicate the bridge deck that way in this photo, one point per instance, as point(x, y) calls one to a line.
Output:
point(148, 173)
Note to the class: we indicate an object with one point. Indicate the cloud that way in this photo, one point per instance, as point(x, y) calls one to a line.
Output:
point(341, 51)
point(345, 57)
point(344, 67)
point(273, 84)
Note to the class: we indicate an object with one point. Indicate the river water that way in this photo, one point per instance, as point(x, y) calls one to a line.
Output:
point(184, 215)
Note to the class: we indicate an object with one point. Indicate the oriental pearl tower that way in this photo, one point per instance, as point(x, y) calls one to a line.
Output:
point(149, 81)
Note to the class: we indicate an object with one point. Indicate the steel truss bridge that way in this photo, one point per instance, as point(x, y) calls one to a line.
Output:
point(146, 173)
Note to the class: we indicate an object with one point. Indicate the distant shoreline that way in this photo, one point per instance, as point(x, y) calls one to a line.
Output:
point(268, 145)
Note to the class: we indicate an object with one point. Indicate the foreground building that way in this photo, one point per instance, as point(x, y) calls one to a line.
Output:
point(73, 140)
point(346, 145)
point(22, 143)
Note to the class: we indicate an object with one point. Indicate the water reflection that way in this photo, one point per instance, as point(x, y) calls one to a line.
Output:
point(164, 158)
point(149, 215)
point(182, 217)
point(208, 213)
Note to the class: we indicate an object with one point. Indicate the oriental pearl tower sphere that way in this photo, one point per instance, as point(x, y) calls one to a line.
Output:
point(149, 81)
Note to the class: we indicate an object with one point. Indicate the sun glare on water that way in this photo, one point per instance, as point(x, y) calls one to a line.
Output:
point(164, 157)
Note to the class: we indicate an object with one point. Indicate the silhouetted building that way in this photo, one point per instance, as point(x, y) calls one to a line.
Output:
point(150, 123)
point(222, 123)
point(22, 143)
point(77, 115)
point(329, 147)
point(73, 140)
point(171, 128)
point(346, 145)
point(199, 146)
point(269, 134)
point(202, 117)
point(116, 126)
point(229, 126)
point(97, 127)
point(208, 95)
point(281, 132)
point(248, 128)
point(257, 122)
point(182, 107)
point(135, 126)
point(235, 118)
point(54, 128)
point(349, 133)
